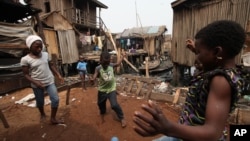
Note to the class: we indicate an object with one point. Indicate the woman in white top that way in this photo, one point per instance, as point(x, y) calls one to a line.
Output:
point(39, 71)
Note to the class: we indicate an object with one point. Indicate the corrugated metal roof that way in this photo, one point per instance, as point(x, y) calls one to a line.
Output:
point(191, 3)
point(177, 2)
point(12, 12)
point(149, 31)
point(154, 29)
point(99, 4)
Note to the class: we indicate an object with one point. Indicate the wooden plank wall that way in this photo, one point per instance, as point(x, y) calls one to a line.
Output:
point(51, 40)
point(187, 21)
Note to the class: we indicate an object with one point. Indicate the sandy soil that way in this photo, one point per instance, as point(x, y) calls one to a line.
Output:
point(81, 117)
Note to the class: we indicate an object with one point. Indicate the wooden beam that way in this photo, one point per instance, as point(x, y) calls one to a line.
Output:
point(139, 87)
point(130, 85)
point(12, 46)
point(40, 29)
point(125, 59)
point(68, 94)
point(2, 117)
point(176, 96)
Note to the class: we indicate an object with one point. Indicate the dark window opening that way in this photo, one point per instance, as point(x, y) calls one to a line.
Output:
point(47, 7)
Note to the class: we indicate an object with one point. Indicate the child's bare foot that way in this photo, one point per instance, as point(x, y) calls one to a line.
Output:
point(84, 89)
point(43, 118)
point(102, 119)
point(123, 123)
point(54, 121)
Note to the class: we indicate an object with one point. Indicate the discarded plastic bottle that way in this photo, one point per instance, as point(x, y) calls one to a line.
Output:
point(114, 139)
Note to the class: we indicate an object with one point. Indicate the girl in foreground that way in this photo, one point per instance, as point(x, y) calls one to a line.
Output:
point(211, 97)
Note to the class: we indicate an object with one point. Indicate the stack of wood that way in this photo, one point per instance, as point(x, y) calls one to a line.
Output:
point(139, 86)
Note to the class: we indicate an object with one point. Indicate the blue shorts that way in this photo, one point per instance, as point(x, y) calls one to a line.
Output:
point(82, 72)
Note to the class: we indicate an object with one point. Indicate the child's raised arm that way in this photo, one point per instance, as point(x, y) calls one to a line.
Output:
point(190, 45)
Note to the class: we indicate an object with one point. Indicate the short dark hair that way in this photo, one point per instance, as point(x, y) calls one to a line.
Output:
point(225, 33)
point(105, 56)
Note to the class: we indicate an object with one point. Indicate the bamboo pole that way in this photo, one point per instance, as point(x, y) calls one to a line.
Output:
point(125, 59)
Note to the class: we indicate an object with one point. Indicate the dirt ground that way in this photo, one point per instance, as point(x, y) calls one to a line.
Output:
point(81, 117)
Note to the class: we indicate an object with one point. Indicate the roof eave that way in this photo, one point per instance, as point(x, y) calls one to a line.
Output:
point(177, 2)
point(101, 5)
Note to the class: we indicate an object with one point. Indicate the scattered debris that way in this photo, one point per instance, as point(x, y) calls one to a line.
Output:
point(30, 102)
point(64, 125)
point(44, 134)
point(162, 87)
point(25, 99)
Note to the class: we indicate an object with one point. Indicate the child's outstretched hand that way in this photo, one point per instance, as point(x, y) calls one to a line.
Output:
point(61, 79)
point(150, 125)
point(92, 81)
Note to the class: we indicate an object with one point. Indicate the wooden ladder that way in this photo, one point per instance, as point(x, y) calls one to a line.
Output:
point(139, 82)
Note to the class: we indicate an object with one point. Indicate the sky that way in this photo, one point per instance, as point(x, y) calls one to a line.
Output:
point(121, 14)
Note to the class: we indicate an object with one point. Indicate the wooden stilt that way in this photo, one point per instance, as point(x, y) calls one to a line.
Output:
point(2, 117)
point(123, 84)
point(67, 94)
point(130, 85)
point(149, 90)
point(139, 87)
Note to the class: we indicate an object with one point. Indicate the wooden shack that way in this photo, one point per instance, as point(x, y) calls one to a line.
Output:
point(150, 39)
point(190, 16)
point(16, 23)
point(141, 42)
point(246, 52)
point(58, 27)
point(83, 18)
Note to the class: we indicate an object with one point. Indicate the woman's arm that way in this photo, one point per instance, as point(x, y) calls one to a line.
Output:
point(26, 74)
point(55, 72)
